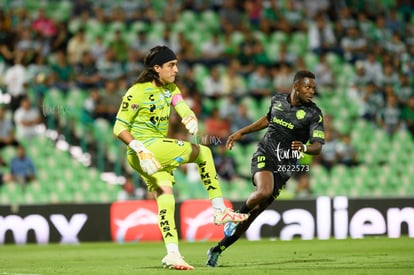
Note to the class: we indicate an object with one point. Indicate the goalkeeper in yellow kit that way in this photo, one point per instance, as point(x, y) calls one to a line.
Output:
point(142, 124)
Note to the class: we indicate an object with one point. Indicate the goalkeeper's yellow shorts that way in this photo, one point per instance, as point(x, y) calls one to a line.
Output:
point(170, 153)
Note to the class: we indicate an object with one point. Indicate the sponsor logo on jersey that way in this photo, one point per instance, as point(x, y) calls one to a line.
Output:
point(167, 94)
point(155, 119)
point(300, 114)
point(180, 143)
point(278, 106)
point(318, 134)
point(261, 161)
point(134, 106)
point(283, 123)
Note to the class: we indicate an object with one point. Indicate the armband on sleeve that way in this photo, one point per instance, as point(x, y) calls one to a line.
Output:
point(181, 106)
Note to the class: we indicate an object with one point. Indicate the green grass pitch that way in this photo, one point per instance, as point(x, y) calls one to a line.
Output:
point(372, 255)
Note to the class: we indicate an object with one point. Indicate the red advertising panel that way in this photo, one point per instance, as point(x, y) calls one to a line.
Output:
point(134, 221)
point(197, 221)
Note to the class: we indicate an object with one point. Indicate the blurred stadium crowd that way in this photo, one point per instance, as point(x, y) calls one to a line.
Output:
point(66, 64)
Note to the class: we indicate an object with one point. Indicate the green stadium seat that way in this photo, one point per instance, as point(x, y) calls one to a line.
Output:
point(342, 124)
point(297, 49)
point(362, 174)
point(103, 197)
point(311, 60)
point(12, 193)
point(60, 197)
point(61, 12)
point(200, 73)
point(272, 50)
point(8, 153)
point(138, 26)
point(156, 29)
point(74, 25)
point(115, 26)
point(364, 191)
point(253, 108)
point(237, 38)
point(189, 18)
point(318, 171)
point(243, 167)
point(94, 28)
point(299, 38)
point(79, 197)
point(318, 188)
point(210, 18)
point(340, 171)
point(279, 37)
point(179, 27)
point(333, 59)
point(261, 36)
point(74, 101)
point(181, 186)
point(36, 198)
point(103, 131)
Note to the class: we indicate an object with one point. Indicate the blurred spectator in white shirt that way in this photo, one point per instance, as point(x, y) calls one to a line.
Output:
point(321, 36)
point(7, 130)
point(324, 73)
point(354, 45)
point(28, 120)
point(212, 51)
point(372, 67)
point(389, 117)
point(213, 84)
point(389, 75)
point(347, 153)
point(15, 80)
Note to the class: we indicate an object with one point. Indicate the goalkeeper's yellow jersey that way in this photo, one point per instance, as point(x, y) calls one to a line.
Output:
point(145, 110)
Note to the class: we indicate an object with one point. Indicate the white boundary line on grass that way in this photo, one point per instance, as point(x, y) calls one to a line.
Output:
point(8, 273)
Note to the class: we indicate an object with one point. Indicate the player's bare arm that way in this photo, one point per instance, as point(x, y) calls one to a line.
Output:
point(258, 125)
point(125, 136)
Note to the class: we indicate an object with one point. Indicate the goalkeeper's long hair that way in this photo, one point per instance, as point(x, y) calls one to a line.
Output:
point(149, 74)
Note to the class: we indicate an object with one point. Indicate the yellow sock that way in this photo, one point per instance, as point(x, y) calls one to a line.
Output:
point(166, 221)
point(208, 172)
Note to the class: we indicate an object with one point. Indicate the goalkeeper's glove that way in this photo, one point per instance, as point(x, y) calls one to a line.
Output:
point(191, 123)
point(149, 164)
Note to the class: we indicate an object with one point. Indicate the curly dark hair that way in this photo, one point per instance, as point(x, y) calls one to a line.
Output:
point(303, 74)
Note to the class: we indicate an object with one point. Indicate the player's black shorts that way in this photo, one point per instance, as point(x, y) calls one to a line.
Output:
point(261, 162)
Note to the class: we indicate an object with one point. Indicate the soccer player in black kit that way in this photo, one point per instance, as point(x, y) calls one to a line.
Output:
point(292, 121)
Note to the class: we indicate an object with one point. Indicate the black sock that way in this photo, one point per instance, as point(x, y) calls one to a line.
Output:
point(244, 208)
point(217, 249)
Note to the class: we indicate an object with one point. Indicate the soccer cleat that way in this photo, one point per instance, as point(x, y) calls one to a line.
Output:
point(212, 258)
point(230, 228)
point(174, 260)
point(228, 215)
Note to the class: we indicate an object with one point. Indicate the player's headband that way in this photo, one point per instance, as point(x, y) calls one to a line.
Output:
point(162, 57)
